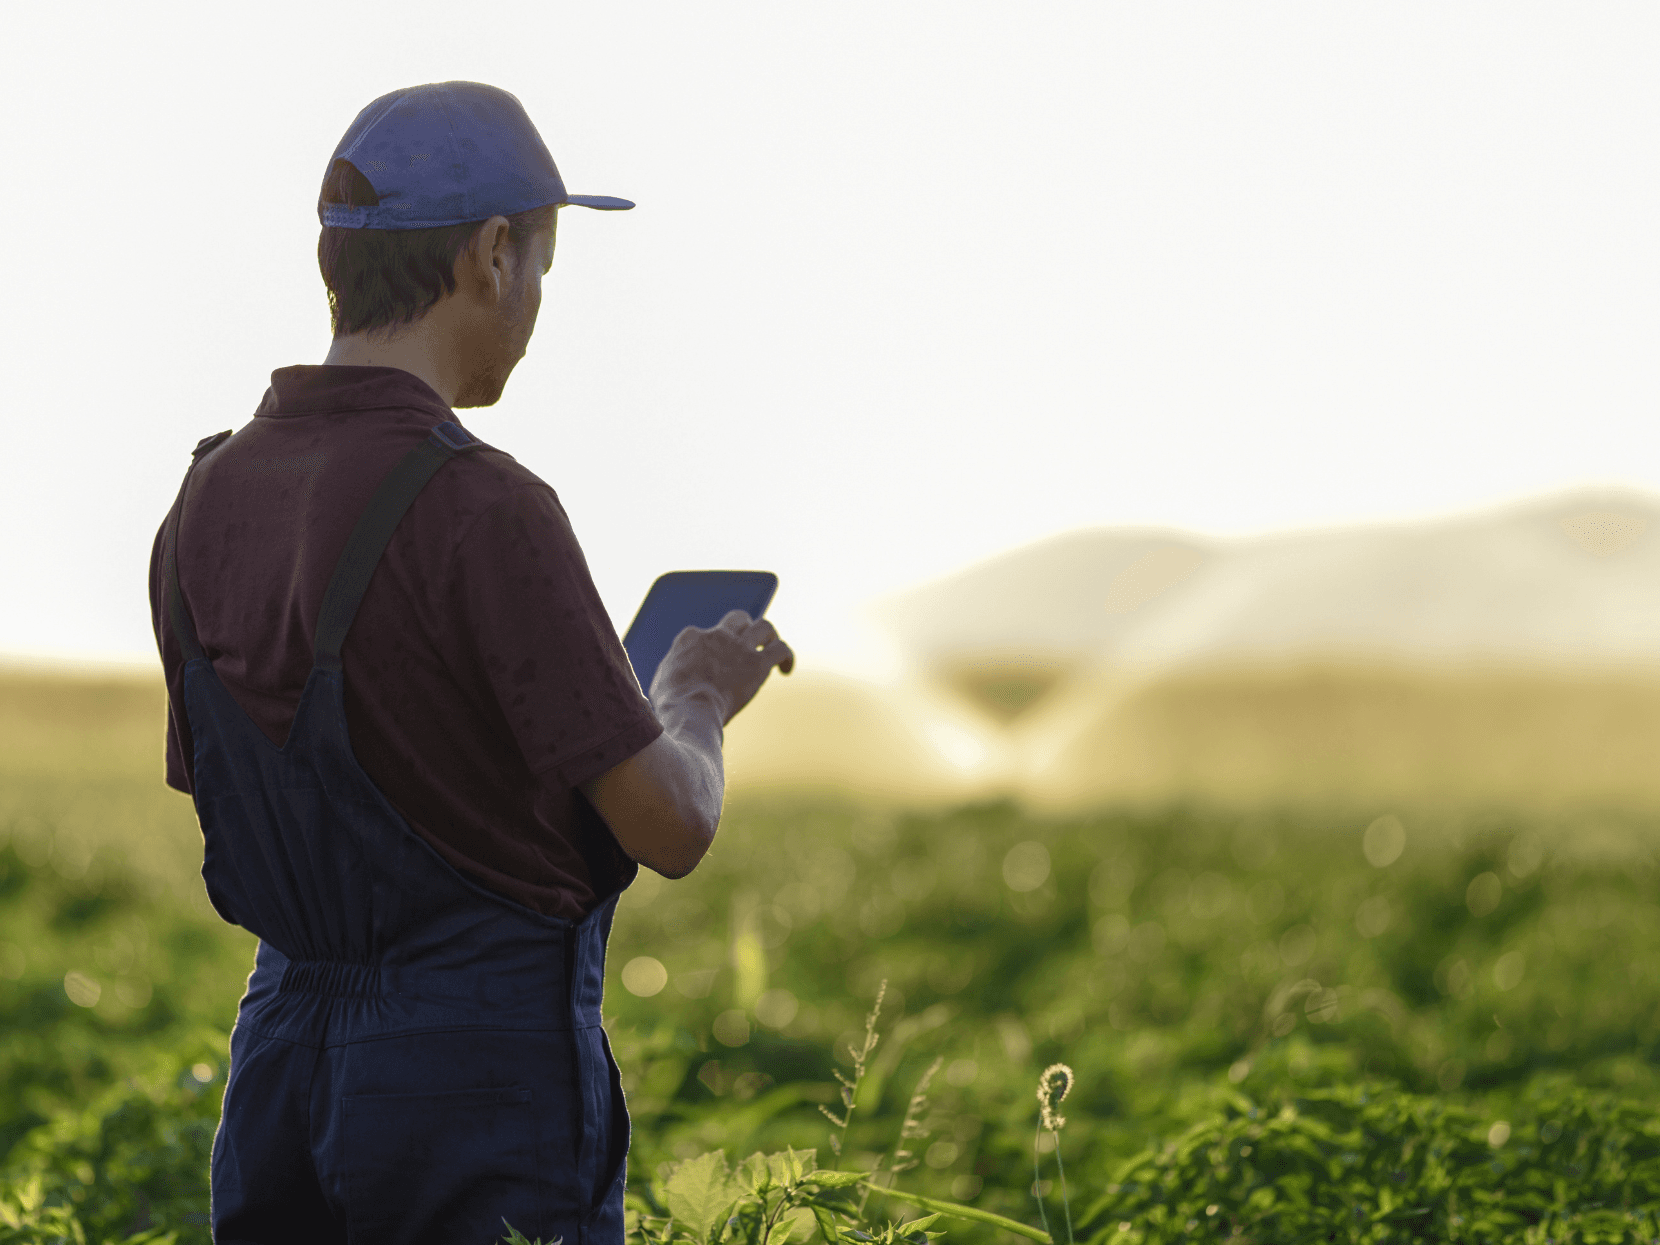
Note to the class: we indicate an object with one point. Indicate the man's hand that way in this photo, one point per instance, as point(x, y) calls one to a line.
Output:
point(664, 802)
point(726, 663)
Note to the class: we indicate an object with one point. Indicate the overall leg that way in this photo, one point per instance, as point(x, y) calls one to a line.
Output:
point(265, 1187)
point(606, 1137)
point(436, 1138)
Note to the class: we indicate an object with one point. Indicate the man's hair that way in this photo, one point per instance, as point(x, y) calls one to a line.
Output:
point(379, 278)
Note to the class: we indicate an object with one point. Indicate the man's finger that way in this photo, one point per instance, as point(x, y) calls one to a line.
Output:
point(735, 620)
point(779, 654)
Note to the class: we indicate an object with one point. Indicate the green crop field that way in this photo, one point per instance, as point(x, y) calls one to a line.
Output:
point(1363, 1024)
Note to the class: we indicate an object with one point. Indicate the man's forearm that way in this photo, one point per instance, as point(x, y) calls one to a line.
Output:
point(692, 723)
point(663, 803)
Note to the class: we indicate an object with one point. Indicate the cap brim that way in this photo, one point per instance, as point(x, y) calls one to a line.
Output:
point(604, 203)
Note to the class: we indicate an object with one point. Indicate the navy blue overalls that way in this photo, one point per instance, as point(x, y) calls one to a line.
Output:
point(416, 1058)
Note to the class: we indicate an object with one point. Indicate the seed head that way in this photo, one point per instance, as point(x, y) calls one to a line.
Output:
point(1053, 1087)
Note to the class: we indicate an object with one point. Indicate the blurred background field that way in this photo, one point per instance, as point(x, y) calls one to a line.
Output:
point(1183, 952)
point(1501, 659)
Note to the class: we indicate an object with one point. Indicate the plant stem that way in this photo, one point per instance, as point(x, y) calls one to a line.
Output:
point(850, 1089)
point(1037, 1178)
point(959, 1211)
point(768, 1221)
point(1066, 1200)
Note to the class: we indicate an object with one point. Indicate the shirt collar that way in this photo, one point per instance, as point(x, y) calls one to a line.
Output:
point(315, 389)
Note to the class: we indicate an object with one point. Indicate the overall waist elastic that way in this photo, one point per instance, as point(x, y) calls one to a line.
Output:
point(485, 992)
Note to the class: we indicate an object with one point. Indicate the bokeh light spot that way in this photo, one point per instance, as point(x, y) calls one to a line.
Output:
point(1483, 893)
point(1384, 841)
point(731, 1028)
point(81, 989)
point(1111, 933)
point(1026, 867)
point(942, 1154)
point(1373, 916)
point(1297, 945)
point(776, 1008)
point(644, 976)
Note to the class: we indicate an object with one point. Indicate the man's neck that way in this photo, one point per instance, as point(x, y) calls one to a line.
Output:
point(406, 350)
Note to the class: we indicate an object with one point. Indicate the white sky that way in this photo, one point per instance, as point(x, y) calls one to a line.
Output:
point(909, 283)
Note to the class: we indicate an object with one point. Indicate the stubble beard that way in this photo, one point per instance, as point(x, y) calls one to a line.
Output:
point(483, 388)
point(486, 385)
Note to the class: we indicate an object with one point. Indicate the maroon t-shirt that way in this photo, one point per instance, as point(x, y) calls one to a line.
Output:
point(483, 678)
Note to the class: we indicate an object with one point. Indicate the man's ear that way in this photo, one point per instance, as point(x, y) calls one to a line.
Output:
point(487, 265)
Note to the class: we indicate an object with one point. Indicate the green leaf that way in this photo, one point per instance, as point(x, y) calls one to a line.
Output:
point(826, 1223)
point(786, 1167)
point(755, 1174)
point(700, 1193)
point(795, 1225)
point(797, 1164)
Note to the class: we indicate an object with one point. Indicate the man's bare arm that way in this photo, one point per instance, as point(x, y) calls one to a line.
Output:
point(664, 802)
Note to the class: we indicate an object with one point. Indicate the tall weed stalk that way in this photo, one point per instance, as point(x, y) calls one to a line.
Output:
point(1053, 1087)
point(850, 1086)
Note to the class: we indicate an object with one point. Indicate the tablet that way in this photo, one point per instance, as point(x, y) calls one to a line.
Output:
point(682, 599)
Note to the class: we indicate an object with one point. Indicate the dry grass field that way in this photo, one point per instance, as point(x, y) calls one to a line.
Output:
point(83, 751)
point(81, 774)
point(1317, 734)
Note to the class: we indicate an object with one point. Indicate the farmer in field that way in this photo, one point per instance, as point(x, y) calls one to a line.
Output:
point(422, 765)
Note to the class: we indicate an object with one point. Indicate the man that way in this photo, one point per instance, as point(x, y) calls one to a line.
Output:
point(421, 763)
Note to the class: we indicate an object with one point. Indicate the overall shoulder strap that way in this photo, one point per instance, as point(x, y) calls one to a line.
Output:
point(184, 630)
point(374, 532)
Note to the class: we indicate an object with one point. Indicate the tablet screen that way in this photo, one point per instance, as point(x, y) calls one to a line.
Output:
point(682, 599)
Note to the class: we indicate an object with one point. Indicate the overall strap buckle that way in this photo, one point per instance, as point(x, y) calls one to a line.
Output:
point(207, 444)
point(450, 435)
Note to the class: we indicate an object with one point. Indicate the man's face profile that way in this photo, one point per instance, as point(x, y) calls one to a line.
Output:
point(507, 329)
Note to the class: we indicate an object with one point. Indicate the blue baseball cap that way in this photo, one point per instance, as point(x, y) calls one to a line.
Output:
point(448, 153)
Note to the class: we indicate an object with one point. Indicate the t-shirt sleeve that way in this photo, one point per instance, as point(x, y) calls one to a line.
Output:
point(177, 772)
point(545, 644)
